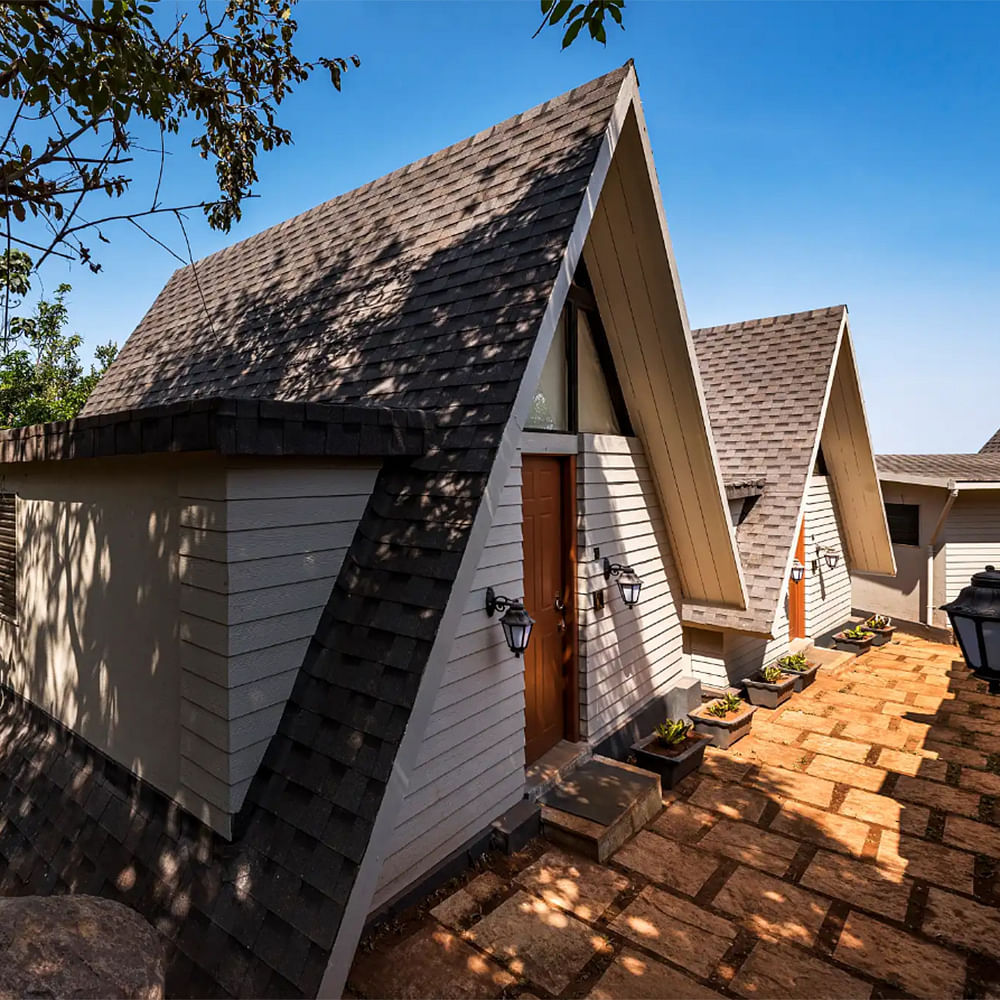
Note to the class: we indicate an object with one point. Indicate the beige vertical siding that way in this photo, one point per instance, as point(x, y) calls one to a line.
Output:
point(627, 656)
point(972, 537)
point(260, 548)
point(470, 767)
point(828, 591)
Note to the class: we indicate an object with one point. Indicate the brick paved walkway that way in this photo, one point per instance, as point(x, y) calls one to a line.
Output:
point(847, 848)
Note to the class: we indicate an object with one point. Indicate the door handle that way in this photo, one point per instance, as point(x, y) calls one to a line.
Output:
point(560, 606)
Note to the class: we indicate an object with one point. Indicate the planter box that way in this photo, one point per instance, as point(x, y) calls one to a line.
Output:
point(672, 764)
point(882, 635)
point(803, 678)
point(724, 732)
point(768, 695)
point(857, 646)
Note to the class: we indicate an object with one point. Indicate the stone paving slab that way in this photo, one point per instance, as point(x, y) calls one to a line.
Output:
point(849, 847)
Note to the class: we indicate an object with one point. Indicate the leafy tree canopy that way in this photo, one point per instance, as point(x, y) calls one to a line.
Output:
point(41, 375)
point(91, 85)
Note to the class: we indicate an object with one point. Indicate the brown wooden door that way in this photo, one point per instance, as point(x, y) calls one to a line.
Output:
point(797, 592)
point(545, 583)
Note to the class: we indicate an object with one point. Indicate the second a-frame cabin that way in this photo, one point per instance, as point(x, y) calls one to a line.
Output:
point(247, 640)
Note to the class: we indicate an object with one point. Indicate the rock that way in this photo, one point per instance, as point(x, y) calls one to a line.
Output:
point(77, 946)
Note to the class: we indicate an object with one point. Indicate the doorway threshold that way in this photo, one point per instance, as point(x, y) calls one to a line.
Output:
point(546, 772)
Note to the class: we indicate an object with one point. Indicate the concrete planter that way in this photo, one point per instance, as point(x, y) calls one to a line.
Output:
point(672, 764)
point(724, 732)
point(768, 695)
point(802, 678)
point(882, 635)
point(857, 646)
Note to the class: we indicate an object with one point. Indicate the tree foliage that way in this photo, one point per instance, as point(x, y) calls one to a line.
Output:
point(84, 77)
point(573, 17)
point(41, 375)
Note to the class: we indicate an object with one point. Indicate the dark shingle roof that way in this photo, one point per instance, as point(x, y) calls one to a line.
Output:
point(992, 447)
point(423, 289)
point(983, 468)
point(765, 381)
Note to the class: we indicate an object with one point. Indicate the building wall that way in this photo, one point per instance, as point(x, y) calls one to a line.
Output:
point(96, 642)
point(972, 538)
point(470, 767)
point(261, 544)
point(904, 596)
point(828, 591)
point(746, 654)
point(627, 656)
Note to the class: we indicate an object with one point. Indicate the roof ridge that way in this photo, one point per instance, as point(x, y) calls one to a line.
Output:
point(782, 317)
point(438, 154)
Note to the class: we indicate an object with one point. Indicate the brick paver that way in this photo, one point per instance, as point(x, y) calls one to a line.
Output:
point(847, 848)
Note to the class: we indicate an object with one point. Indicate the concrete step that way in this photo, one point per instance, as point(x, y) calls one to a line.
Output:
point(597, 807)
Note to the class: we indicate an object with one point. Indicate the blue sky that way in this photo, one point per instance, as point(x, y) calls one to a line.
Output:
point(809, 154)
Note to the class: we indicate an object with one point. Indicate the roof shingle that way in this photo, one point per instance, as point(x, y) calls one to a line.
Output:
point(981, 467)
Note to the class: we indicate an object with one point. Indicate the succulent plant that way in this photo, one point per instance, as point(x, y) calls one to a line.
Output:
point(878, 622)
point(721, 707)
point(858, 632)
point(771, 674)
point(793, 663)
point(672, 732)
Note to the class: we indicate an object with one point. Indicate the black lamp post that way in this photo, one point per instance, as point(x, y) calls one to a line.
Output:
point(628, 581)
point(975, 619)
point(516, 622)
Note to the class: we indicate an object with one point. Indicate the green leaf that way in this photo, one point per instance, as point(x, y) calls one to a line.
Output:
point(559, 11)
point(571, 32)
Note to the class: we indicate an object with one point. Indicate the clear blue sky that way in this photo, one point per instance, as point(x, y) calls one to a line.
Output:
point(809, 154)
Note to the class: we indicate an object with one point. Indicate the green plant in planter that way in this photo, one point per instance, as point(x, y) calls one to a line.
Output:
point(728, 703)
point(878, 622)
point(672, 732)
point(793, 663)
point(771, 674)
point(858, 633)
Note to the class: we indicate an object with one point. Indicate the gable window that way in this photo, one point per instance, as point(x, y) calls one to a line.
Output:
point(578, 390)
point(904, 523)
point(8, 556)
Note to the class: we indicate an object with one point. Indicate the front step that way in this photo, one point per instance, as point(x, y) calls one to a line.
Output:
point(599, 806)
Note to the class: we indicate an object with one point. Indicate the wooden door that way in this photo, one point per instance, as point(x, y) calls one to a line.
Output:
point(797, 592)
point(546, 661)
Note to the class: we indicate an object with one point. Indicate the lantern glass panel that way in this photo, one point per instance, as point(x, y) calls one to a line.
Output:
point(629, 585)
point(991, 641)
point(965, 629)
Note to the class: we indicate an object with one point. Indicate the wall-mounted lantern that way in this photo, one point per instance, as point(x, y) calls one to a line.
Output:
point(828, 555)
point(975, 619)
point(629, 583)
point(798, 571)
point(516, 622)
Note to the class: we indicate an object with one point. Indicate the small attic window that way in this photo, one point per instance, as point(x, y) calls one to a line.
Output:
point(820, 468)
point(904, 523)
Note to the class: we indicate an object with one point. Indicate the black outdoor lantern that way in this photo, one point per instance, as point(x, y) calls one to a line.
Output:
point(516, 622)
point(628, 580)
point(975, 619)
point(828, 555)
point(798, 571)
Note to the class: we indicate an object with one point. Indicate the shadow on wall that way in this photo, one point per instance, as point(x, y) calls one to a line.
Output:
point(446, 327)
point(856, 826)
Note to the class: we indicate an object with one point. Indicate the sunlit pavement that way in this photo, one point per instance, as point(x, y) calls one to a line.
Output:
point(847, 848)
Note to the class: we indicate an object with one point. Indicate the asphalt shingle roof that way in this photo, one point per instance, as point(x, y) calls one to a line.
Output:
point(992, 447)
point(422, 289)
point(984, 468)
point(765, 381)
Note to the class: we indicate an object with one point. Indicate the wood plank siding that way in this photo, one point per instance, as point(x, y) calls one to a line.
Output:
point(828, 591)
point(260, 547)
point(972, 538)
point(470, 766)
point(627, 655)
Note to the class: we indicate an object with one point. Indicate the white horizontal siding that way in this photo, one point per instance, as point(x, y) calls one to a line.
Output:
point(260, 548)
point(828, 591)
point(746, 654)
point(627, 656)
point(706, 655)
point(470, 765)
point(972, 538)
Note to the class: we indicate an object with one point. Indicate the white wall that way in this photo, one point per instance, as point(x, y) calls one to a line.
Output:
point(972, 538)
point(828, 591)
point(470, 767)
point(627, 656)
point(261, 544)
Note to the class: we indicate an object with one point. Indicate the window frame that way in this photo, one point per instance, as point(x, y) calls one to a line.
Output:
point(909, 510)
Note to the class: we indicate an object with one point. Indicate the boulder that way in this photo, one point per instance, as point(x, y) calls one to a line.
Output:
point(77, 946)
